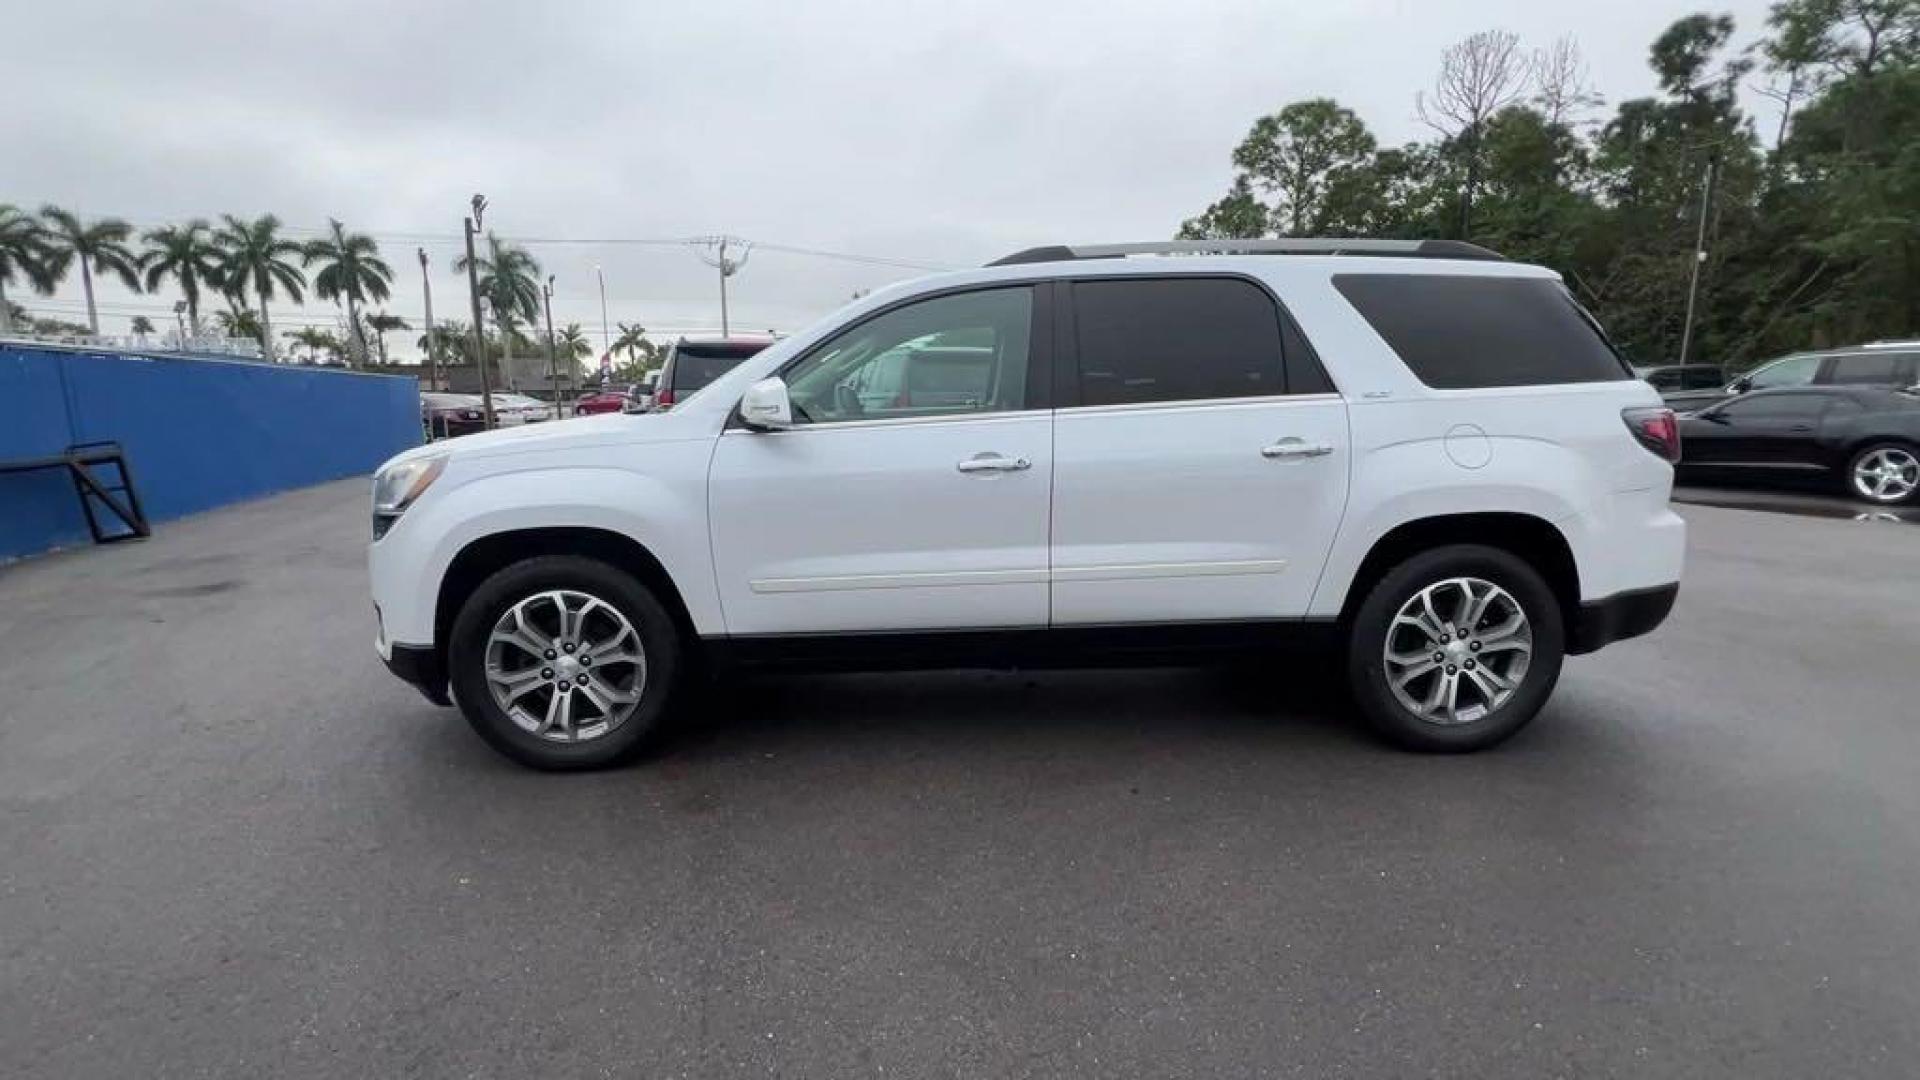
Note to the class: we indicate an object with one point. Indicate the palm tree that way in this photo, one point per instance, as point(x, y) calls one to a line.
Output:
point(185, 253)
point(24, 258)
point(315, 339)
point(237, 323)
point(454, 341)
point(100, 246)
point(510, 281)
point(380, 324)
point(633, 341)
point(573, 345)
point(253, 255)
point(142, 326)
point(351, 268)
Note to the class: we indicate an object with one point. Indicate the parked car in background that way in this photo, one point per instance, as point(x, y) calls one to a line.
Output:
point(601, 401)
point(511, 409)
point(444, 415)
point(1865, 438)
point(1676, 377)
point(693, 362)
point(1109, 460)
point(1879, 363)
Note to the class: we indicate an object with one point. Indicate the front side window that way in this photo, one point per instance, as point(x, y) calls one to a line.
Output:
point(1774, 407)
point(951, 355)
point(1793, 371)
point(1176, 339)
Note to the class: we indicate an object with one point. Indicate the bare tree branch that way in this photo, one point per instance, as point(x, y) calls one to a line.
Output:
point(1562, 84)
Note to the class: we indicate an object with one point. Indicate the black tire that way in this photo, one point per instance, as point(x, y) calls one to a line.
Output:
point(1846, 477)
point(467, 651)
point(1367, 637)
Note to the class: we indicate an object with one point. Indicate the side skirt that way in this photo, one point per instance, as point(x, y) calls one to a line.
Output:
point(1149, 645)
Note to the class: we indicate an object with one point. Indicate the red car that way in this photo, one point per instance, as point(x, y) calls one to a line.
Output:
point(605, 401)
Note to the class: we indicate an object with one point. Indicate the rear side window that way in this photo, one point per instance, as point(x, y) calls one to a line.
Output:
point(696, 365)
point(1874, 369)
point(1456, 332)
point(1176, 339)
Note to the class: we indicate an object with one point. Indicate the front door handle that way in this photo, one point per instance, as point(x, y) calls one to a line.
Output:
point(1296, 448)
point(991, 462)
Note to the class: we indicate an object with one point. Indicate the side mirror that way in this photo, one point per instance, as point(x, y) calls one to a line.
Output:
point(1742, 384)
point(766, 407)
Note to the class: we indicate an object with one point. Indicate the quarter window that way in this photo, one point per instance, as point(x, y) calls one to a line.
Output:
point(1457, 331)
point(951, 355)
point(1175, 339)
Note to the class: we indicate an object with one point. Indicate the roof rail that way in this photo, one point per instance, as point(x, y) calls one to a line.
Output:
point(1409, 249)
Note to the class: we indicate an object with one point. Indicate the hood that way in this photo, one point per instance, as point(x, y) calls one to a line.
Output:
point(606, 429)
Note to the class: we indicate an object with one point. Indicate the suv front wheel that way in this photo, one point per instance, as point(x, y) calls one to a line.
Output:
point(563, 662)
point(1455, 649)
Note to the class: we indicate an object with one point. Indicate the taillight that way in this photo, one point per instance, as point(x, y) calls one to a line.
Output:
point(663, 398)
point(1656, 429)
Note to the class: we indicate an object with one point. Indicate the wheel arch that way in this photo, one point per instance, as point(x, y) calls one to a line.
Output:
point(1533, 539)
point(486, 555)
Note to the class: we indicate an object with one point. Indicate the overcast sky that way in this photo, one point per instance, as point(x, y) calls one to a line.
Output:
point(943, 134)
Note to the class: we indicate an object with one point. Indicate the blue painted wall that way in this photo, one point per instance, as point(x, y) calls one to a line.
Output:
point(198, 433)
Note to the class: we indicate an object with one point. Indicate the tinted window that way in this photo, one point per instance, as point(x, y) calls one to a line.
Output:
point(1456, 332)
point(1774, 406)
point(694, 366)
point(1793, 371)
point(1703, 379)
point(1190, 339)
point(965, 353)
point(1880, 368)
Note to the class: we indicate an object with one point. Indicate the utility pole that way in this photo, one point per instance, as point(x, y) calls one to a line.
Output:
point(553, 358)
point(1699, 254)
point(606, 335)
point(479, 328)
point(426, 287)
point(727, 267)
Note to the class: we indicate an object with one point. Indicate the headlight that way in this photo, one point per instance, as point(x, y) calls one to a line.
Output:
point(397, 486)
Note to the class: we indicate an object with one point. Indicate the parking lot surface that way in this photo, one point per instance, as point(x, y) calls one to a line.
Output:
point(232, 845)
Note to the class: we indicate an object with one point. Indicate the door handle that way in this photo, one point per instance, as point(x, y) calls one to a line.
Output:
point(991, 462)
point(1801, 428)
point(1296, 448)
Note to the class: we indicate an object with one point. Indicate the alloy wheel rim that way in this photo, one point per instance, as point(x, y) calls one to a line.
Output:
point(1889, 474)
point(566, 666)
point(1457, 651)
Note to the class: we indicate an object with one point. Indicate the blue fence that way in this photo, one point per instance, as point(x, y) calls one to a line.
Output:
point(197, 433)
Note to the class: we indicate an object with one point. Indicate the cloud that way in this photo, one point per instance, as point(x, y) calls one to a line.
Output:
point(944, 133)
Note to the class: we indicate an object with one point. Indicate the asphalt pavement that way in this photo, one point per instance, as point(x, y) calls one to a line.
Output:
point(232, 845)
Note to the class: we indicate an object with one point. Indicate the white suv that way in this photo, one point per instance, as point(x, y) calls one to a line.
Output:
point(1418, 453)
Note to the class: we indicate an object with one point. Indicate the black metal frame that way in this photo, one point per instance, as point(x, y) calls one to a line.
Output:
point(79, 461)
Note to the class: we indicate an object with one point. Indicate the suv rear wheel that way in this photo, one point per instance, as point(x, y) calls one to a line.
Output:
point(1887, 473)
point(1455, 649)
point(563, 662)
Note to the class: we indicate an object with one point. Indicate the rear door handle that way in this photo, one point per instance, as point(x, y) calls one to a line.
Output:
point(1296, 448)
point(992, 462)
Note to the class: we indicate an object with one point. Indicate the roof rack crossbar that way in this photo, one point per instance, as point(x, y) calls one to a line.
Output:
point(1410, 249)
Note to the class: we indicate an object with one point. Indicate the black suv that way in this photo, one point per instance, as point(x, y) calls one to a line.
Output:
point(1888, 363)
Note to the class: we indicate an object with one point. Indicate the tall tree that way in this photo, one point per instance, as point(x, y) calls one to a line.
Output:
point(141, 326)
point(188, 255)
point(97, 246)
point(255, 257)
point(1479, 76)
point(1297, 155)
point(350, 269)
point(510, 281)
point(24, 260)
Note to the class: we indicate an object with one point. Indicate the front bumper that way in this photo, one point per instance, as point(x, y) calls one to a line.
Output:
point(421, 666)
point(1623, 615)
